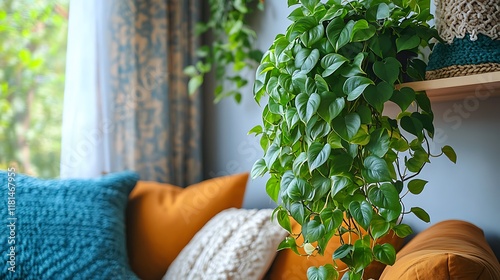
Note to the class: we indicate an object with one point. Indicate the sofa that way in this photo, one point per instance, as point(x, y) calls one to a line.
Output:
point(118, 227)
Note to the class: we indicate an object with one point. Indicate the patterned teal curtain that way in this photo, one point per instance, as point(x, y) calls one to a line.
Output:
point(157, 123)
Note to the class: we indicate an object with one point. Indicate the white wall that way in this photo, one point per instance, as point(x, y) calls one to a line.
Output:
point(228, 148)
point(469, 190)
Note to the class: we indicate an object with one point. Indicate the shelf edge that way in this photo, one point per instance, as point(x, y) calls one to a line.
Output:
point(458, 87)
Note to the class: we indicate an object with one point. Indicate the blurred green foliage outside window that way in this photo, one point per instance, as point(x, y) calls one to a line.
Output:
point(32, 66)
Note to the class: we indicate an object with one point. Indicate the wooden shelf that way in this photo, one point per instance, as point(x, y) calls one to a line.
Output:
point(480, 85)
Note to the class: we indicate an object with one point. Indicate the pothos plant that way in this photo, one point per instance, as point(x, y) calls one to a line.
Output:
point(338, 165)
point(231, 46)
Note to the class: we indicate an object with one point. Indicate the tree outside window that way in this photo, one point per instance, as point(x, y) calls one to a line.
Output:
point(32, 64)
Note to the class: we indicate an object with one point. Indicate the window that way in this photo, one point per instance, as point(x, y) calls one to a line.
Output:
point(32, 65)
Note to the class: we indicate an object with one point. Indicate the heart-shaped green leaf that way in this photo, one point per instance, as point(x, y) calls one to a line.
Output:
point(379, 142)
point(332, 217)
point(291, 117)
point(313, 230)
point(310, 86)
point(331, 62)
point(362, 213)
point(306, 59)
point(299, 162)
point(321, 84)
point(403, 97)
point(299, 190)
point(374, 45)
point(355, 68)
point(385, 253)
point(297, 211)
point(258, 168)
point(261, 76)
point(346, 127)
point(362, 255)
point(272, 154)
point(426, 120)
point(342, 251)
point(288, 243)
point(378, 95)
point(326, 272)
point(310, 4)
point(375, 170)
point(407, 42)
point(365, 114)
point(317, 154)
point(402, 230)
point(333, 12)
point(301, 26)
point(339, 33)
point(362, 137)
point(450, 153)
point(321, 185)
point(313, 35)
point(330, 106)
point(389, 215)
point(385, 196)
point(280, 44)
point(284, 220)
point(317, 128)
point(299, 81)
point(194, 83)
point(334, 140)
point(387, 69)
point(362, 31)
point(307, 105)
point(345, 35)
point(421, 214)
point(255, 130)
point(383, 11)
point(423, 101)
point(285, 81)
point(286, 179)
point(416, 186)
point(379, 227)
point(354, 86)
point(340, 183)
point(417, 161)
point(273, 188)
point(412, 125)
point(340, 163)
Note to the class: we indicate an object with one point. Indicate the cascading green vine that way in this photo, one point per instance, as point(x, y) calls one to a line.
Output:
point(338, 165)
point(231, 48)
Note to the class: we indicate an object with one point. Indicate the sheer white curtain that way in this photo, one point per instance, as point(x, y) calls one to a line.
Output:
point(86, 125)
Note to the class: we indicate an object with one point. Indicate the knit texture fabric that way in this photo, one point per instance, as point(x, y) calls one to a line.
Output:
point(458, 18)
point(464, 57)
point(236, 244)
point(465, 52)
point(64, 229)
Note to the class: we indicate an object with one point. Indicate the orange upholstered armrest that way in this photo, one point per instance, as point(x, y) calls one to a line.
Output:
point(448, 250)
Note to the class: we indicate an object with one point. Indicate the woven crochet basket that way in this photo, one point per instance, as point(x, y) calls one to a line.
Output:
point(471, 31)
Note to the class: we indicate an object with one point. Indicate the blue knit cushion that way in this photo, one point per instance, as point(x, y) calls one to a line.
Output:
point(64, 229)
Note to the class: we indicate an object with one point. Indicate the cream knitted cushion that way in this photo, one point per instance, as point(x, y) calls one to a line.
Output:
point(235, 244)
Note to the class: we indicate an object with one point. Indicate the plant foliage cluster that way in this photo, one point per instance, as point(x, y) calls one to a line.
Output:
point(32, 60)
point(339, 166)
point(231, 48)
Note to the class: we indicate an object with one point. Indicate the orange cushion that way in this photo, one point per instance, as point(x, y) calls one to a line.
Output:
point(447, 250)
point(291, 266)
point(162, 218)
